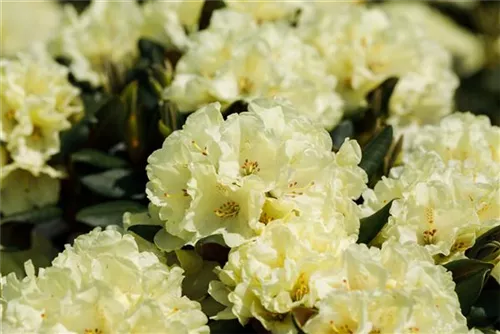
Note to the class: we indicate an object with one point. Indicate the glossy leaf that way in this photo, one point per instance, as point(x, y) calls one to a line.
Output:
point(486, 310)
point(227, 326)
point(35, 216)
point(146, 232)
point(98, 159)
point(115, 183)
point(109, 213)
point(469, 276)
point(342, 131)
point(379, 98)
point(375, 151)
point(477, 251)
point(110, 127)
point(370, 226)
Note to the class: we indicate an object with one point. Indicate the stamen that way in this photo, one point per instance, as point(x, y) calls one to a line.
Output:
point(297, 191)
point(300, 289)
point(201, 150)
point(227, 210)
point(250, 167)
point(173, 195)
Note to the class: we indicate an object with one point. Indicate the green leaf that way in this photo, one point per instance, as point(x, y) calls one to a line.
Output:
point(152, 51)
point(115, 183)
point(98, 159)
point(41, 254)
point(146, 232)
point(486, 310)
point(213, 248)
point(109, 213)
point(342, 131)
point(375, 151)
point(371, 226)
point(227, 326)
point(469, 276)
point(170, 120)
point(209, 6)
point(36, 216)
point(477, 251)
point(111, 120)
point(379, 98)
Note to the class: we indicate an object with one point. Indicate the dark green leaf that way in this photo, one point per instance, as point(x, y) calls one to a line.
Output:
point(379, 98)
point(109, 213)
point(146, 232)
point(485, 239)
point(227, 326)
point(36, 216)
point(371, 226)
point(375, 151)
point(15, 236)
point(110, 129)
point(469, 276)
point(115, 183)
point(209, 6)
point(74, 138)
point(342, 131)
point(486, 310)
point(213, 248)
point(98, 159)
point(151, 51)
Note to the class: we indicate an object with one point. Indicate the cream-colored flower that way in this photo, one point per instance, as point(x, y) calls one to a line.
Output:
point(281, 269)
point(264, 11)
point(25, 23)
point(234, 177)
point(37, 103)
point(466, 47)
point(395, 290)
point(101, 41)
point(448, 189)
point(227, 63)
point(365, 46)
point(463, 138)
point(101, 284)
point(355, 289)
point(165, 21)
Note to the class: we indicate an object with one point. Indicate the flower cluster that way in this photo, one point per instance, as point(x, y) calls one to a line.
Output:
point(465, 47)
point(38, 102)
point(101, 47)
point(234, 177)
point(365, 46)
point(243, 60)
point(101, 284)
point(448, 191)
point(349, 288)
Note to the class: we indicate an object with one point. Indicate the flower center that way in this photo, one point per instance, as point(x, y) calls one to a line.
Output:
point(245, 85)
point(250, 167)
point(429, 236)
point(300, 289)
point(227, 210)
